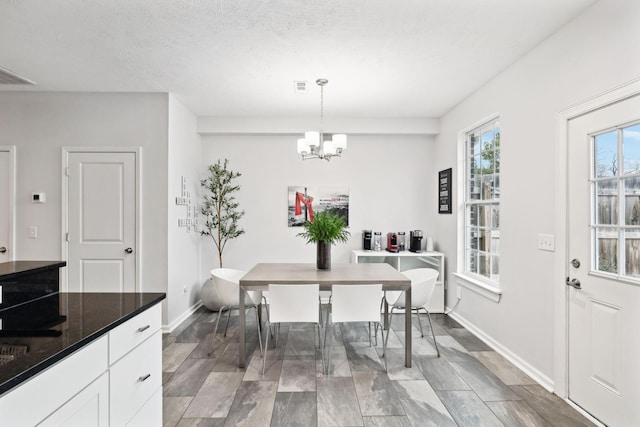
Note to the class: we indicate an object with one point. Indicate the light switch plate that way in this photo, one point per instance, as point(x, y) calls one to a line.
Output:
point(33, 232)
point(547, 242)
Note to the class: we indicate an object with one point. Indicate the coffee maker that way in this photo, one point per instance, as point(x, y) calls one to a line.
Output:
point(415, 241)
point(367, 237)
point(401, 241)
point(392, 242)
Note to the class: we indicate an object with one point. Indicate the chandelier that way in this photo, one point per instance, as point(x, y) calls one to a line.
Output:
point(318, 145)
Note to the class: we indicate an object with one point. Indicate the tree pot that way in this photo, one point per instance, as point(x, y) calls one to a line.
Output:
point(323, 258)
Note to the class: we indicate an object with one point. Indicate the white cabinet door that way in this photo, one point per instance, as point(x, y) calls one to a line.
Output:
point(89, 408)
point(134, 379)
point(151, 412)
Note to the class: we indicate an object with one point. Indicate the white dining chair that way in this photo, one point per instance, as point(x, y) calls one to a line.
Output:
point(423, 281)
point(227, 284)
point(354, 303)
point(292, 303)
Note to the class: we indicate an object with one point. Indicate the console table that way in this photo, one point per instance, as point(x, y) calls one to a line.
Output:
point(406, 260)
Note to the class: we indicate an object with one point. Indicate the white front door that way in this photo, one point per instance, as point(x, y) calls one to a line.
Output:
point(604, 262)
point(101, 221)
point(6, 204)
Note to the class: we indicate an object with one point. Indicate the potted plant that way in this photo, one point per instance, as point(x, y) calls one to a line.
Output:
point(327, 228)
point(219, 206)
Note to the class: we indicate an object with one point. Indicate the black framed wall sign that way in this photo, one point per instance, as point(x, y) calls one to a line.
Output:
point(444, 191)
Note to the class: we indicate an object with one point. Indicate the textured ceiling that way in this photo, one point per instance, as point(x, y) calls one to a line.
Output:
point(383, 58)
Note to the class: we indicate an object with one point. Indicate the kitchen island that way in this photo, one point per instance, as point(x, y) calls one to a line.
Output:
point(90, 358)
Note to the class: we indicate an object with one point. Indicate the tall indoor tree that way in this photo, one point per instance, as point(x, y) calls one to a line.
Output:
point(219, 206)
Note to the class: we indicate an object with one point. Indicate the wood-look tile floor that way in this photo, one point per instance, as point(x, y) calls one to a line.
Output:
point(469, 385)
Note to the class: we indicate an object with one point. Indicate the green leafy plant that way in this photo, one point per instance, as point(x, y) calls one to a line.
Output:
point(327, 227)
point(219, 206)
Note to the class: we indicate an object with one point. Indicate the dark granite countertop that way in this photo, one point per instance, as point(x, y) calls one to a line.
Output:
point(42, 332)
point(13, 268)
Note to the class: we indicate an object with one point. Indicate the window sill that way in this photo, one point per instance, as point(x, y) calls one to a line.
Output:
point(479, 287)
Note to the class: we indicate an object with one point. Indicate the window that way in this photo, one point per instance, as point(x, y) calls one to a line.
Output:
point(482, 203)
point(616, 203)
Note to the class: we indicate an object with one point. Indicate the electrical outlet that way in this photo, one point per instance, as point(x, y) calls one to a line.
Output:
point(184, 289)
point(458, 292)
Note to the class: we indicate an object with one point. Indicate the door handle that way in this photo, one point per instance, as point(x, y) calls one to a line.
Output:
point(3, 250)
point(574, 283)
point(128, 250)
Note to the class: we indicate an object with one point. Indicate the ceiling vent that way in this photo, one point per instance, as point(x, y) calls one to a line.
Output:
point(9, 78)
point(300, 87)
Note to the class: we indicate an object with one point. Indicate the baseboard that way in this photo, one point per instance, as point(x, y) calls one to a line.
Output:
point(166, 329)
point(524, 366)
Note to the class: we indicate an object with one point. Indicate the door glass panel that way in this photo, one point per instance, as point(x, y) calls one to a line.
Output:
point(606, 155)
point(632, 252)
point(631, 149)
point(607, 202)
point(607, 249)
point(632, 201)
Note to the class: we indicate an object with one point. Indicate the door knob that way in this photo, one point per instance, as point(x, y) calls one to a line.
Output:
point(3, 250)
point(574, 283)
point(128, 250)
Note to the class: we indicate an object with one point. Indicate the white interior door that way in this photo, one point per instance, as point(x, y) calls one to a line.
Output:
point(604, 241)
point(101, 221)
point(6, 204)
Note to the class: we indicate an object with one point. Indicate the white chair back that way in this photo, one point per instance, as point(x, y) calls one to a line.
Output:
point(294, 303)
point(355, 303)
point(227, 282)
point(423, 282)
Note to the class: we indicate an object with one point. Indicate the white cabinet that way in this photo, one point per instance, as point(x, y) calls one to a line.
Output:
point(41, 396)
point(115, 380)
point(134, 379)
point(135, 371)
point(86, 409)
point(407, 260)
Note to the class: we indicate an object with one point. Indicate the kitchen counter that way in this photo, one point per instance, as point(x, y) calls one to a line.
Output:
point(35, 335)
point(14, 268)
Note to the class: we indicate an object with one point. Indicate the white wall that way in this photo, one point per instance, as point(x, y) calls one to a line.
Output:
point(183, 248)
point(391, 188)
point(40, 124)
point(594, 53)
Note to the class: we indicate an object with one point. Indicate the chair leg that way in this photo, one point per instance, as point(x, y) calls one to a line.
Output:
point(384, 345)
point(328, 364)
point(266, 347)
point(321, 345)
point(228, 318)
point(213, 337)
point(433, 334)
point(259, 334)
point(419, 322)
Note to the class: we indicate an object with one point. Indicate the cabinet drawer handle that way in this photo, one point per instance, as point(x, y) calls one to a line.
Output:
point(143, 328)
point(142, 379)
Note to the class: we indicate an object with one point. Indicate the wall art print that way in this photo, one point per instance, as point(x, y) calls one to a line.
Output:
point(304, 202)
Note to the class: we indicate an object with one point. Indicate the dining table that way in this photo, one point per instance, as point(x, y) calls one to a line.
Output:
point(261, 275)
